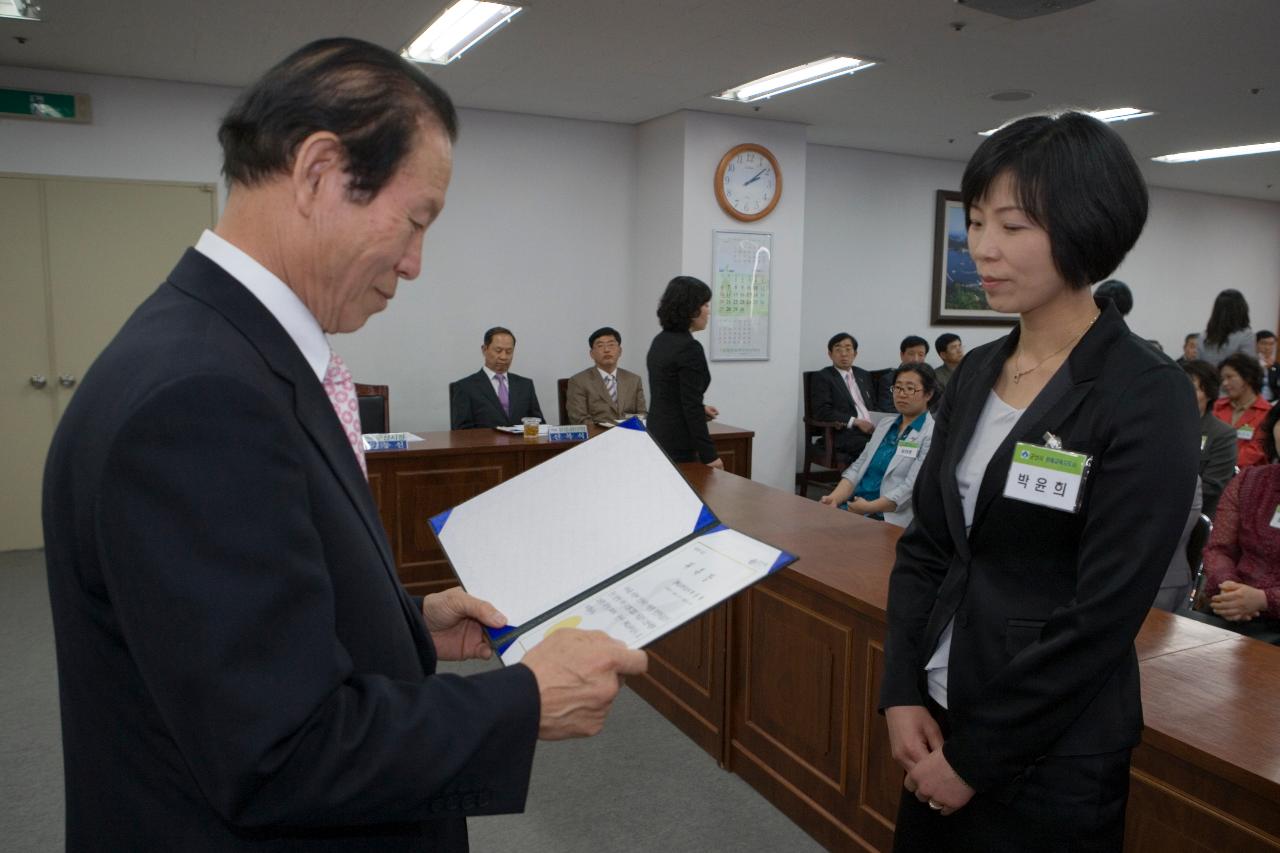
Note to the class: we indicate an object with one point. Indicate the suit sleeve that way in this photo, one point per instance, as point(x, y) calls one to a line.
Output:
point(824, 407)
point(535, 411)
point(460, 416)
point(575, 401)
point(1219, 466)
point(218, 577)
point(690, 375)
point(1130, 528)
point(924, 555)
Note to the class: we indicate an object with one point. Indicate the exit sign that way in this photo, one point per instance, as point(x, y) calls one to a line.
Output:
point(44, 106)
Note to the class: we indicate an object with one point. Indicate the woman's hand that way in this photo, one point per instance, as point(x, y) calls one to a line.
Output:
point(712, 412)
point(1237, 602)
point(717, 463)
point(860, 505)
point(829, 500)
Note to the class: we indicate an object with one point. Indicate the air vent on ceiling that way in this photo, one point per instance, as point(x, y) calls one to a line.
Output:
point(1019, 9)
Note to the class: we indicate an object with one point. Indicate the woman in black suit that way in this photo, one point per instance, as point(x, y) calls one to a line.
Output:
point(1011, 684)
point(678, 375)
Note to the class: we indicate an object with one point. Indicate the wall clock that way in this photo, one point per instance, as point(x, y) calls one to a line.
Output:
point(748, 182)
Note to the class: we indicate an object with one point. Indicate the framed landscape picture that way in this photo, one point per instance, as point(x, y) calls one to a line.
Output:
point(958, 299)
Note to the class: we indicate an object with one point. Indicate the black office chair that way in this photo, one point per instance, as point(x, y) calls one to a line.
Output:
point(562, 391)
point(375, 407)
point(1195, 559)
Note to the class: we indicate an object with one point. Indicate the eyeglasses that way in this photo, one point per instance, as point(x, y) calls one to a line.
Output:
point(906, 390)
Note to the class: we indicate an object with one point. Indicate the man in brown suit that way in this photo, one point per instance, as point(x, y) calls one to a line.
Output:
point(605, 392)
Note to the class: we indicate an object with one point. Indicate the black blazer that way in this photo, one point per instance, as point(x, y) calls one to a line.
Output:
point(678, 377)
point(240, 668)
point(474, 404)
point(831, 401)
point(1046, 604)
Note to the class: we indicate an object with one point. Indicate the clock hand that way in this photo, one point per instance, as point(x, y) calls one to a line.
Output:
point(755, 177)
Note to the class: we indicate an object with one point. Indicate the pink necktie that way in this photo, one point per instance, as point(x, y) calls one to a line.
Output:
point(503, 397)
point(342, 394)
point(856, 395)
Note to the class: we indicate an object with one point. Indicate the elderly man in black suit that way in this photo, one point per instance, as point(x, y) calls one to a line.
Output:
point(493, 396)
point(843, 393)
point(240, 668)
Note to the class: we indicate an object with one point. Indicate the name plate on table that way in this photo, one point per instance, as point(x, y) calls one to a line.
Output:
point(571, 432)
point(388, 440)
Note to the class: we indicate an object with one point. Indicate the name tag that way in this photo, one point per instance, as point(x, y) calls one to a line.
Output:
point(1047, 477)
point(573, 432)
point(1275, 519)
point(909, 449)
point(1245, 433)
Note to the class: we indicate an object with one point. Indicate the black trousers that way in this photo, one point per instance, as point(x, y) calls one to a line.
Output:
point(1061, 804)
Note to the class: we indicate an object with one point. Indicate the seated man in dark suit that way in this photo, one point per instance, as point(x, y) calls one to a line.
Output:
point(913, 350)
point(841, 393)
point(492, 397)
point(604, 393)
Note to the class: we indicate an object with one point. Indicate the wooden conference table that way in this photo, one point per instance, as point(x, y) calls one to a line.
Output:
point(780, 683)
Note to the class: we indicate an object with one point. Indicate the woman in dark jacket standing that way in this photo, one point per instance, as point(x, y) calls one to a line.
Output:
point(1045, 517)
point(678, 375)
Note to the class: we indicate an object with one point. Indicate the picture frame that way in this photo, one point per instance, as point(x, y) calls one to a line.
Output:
point(957, 298)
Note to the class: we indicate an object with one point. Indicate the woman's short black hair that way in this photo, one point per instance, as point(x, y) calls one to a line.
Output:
point(928, 379)
point(1269, 434)
point(1248, 368)
point(1075, 178)
point(1230, 314)
point(681, 302)
point(372, 99)
point(1206, 377)
point(1118, 292)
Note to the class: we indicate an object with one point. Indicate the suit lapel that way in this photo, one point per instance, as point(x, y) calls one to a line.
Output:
point(204, 280)
point(1053, 405)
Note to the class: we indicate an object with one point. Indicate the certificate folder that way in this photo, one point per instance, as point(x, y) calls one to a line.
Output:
point(607, 535)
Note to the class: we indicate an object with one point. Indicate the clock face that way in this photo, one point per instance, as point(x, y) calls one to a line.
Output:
point(748, 182)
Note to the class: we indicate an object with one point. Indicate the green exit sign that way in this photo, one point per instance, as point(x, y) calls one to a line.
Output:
point(44, 106)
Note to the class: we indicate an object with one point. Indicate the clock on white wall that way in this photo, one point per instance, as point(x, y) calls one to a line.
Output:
point(748, 182)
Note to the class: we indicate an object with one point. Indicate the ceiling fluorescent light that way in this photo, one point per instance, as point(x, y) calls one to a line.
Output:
point(794, 78)
point(1109, 116)
point(1214, 153)
point(23, 10)
point(457, 29)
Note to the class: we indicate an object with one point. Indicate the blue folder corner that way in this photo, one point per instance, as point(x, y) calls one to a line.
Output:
point(633, 423)
point(437, 522)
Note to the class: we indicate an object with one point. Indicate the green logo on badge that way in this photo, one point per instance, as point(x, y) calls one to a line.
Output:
point(1026, 454)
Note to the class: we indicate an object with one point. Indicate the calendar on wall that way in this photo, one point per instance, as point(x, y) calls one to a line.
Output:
point(740, 286)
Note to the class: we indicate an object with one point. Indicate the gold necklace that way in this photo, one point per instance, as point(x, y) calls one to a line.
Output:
point(1018, 374)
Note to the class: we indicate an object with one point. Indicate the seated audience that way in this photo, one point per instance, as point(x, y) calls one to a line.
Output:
point(842, 393)
point(1242, 559)
point(1242, 408)
point(1190, 348)
point(491, 396)
point(604, 393)
point(1118, 292)
point(951, 350)
point(1217, 438)
point(1270, 369)
point(913, 350)
point(879, 482)
point(1228, 329)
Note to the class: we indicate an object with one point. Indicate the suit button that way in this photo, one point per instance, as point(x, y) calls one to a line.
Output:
point(484, 798)
point(468, 802)
point(451, 803)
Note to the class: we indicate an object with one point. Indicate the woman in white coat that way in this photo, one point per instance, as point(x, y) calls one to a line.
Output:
point(879, 482)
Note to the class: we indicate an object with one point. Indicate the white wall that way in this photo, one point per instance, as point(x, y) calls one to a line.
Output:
point(759, 395)
point(869, 252)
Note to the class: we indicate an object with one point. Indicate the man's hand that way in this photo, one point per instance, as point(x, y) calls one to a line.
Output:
point(711, 412)
point(456, 621)
point(913, 734)
point(864, 425)
point(579, 674)
point(716, 463)
point(1238, 602)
